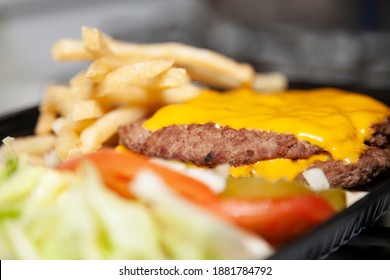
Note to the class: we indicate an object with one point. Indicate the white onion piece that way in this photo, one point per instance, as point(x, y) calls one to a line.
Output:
point(214, 178)
point(354, 196)
point(316, 179)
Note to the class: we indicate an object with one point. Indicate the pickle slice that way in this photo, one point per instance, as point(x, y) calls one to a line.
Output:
point(336, 197)
point(259, 187)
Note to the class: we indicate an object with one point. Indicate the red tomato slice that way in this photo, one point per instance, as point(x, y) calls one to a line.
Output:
point(278, 220)
point(118, 169)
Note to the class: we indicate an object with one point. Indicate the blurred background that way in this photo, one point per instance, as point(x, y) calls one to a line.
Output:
point(343, 43)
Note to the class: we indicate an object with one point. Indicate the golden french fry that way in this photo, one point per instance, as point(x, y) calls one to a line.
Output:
point(270, 82)
point(86, 109)
point(208, 66)
point(70, 50)
point(67, 145)
point(37, 160)
point(81, 87)
point(210, 77)
point(86, 114)
point(131, 95)
point(79, 126)
point(180, 94)
point(56, 99)
point(101, 67)
point(58, 124)
point(51, 159)
point(173, 77)
point(94, 41)
point(53, 97)
point(93, 137)
point(37, 145)
point(67, 123)
point(131, 73)
point(45, 122)
point(198, 62)
point(61, 99)
point(50, 106)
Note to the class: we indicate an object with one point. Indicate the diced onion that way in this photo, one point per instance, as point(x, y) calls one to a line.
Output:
point(214, 178)
point(354, 196)
point(316, 179)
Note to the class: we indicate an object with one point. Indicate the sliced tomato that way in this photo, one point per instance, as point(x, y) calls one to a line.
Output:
point(278, 220)
point(118, 169)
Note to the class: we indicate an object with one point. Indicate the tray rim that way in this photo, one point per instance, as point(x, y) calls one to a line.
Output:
point(354, 219)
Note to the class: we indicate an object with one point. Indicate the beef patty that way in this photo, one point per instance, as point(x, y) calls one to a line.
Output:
point(209, 145)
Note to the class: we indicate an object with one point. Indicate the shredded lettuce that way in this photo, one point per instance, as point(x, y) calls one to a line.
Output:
point(189, 232)
point(47, 214)
point(53, 215)
point(8, 159)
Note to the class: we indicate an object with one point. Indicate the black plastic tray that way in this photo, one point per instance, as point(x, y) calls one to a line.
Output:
point(318, 244)
point(337, 231)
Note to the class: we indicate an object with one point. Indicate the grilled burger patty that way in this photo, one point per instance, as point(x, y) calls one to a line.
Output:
point(210, 145)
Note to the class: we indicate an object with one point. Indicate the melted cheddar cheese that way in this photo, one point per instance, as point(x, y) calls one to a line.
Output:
point(334, 120)
point(275, 169)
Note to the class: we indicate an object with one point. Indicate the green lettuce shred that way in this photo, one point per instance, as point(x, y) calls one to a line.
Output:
point(48, 214)
point(52, 215)
point(8, 159)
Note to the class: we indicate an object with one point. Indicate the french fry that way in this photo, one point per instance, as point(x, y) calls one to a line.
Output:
point(67, 144)
point(86, 109)
point(131, 73)
point(209, 77)
point(81, 87)
point(93, 137)
point(56, 99)
point(198, 62)
point(173, 77)
point(131, 95)
point(51, 159)
point(49, 108)
point(36, 160)
point(45, 122)
point(208, 66)
point(53, 97)
point(78, 126)
point(37, 145)
point(269, 82)
point(125, 81)
point(180, 94)
point(70, 50)
point(58, 124)
point(94, 41)
point(67, 123)
point(101, 67)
